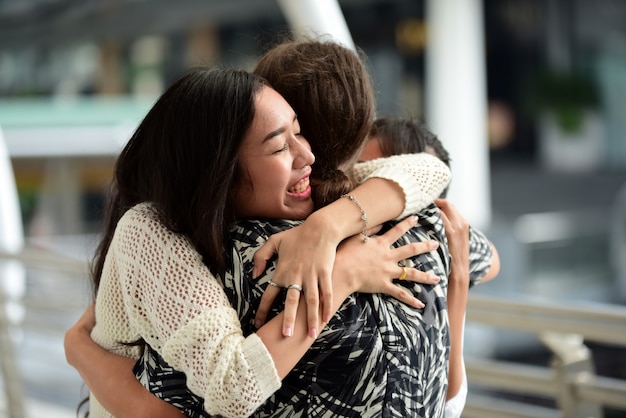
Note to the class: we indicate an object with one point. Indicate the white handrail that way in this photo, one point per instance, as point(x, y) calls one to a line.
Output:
point(12, 278)
point(39, 257)
point(570, 380)
point(595, 322)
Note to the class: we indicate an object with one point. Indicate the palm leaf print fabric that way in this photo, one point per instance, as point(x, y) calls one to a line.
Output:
point(377, 357)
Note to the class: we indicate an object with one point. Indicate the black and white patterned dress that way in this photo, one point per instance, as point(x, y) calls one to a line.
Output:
point(377, 357)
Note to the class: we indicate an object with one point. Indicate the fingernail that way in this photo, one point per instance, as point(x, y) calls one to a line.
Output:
point(434, 245)
point(313, 333)
point(413, 219)
point(433, 278)
point(255, 272)
point(258, 323)
point(419, 304)
point(287, 332)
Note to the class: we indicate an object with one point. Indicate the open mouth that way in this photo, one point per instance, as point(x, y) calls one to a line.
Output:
point(301, 186)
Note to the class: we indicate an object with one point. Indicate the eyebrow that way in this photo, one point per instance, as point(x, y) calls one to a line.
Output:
point(277, 131)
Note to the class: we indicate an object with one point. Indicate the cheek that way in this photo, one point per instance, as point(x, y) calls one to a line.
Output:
point(262, 192)
point(269, 178)
point(277, 173)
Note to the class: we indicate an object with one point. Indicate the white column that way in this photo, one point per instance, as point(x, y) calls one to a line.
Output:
point(11, 231)
point(12, 284)
point(456, 100)
point(12, 272)
point(317, 18)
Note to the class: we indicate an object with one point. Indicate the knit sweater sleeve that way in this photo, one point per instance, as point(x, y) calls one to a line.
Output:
point(422, 177)
point(179, 308)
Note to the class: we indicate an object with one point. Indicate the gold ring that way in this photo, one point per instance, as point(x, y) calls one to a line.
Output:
point(403, 275)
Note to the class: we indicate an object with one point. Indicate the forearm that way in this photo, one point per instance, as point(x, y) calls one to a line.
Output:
point(421, 178)
point(287, 351)
point(343, 218)
point(390, 188)
point(457, 304)
point(379, 209)
point(125, 397)
point(110, 379)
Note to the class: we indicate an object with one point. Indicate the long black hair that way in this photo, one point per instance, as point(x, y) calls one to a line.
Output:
point(183, 160)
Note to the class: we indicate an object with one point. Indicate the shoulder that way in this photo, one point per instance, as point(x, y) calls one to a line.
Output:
point(480, 246)
point(140, 227)
point(478, 237)
point(140, 213)
point(141, 217)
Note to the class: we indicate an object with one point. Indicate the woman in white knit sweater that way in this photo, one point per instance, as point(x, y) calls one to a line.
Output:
point(171, 207)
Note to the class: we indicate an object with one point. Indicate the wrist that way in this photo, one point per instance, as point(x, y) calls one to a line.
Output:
point(363, 216)
point(342, 289)
point(459, 277)
point(325, 225)
point(345, 281)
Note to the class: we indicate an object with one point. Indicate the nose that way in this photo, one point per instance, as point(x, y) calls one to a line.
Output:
point(302, 152)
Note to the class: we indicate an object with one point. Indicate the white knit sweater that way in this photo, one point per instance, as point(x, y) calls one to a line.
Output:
point(154, 286)
point(422, 177)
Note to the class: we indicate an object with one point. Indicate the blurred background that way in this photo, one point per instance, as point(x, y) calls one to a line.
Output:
point(545, 120)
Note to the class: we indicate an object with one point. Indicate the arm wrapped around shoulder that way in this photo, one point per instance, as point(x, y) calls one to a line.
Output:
point(422, 177)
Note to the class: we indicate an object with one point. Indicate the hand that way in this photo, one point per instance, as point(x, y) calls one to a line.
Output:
point(371, 267)
point(78, 332)
point(457, 232)
point(305, 258)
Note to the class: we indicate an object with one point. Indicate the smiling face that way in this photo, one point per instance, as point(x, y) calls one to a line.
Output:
point(275, 160)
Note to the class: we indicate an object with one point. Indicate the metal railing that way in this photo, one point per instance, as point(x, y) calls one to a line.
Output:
point(11, 377)
point(570, 380)
point(12, 382)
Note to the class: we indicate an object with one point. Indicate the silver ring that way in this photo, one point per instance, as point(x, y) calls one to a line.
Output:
point(291, 286)
point(295, 286)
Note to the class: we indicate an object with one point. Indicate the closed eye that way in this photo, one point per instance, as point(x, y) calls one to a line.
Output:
point(284, 148)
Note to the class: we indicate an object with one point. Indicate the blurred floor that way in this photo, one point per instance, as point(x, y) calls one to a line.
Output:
point(54, 389)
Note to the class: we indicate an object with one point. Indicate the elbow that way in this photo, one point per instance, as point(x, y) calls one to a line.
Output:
point(494, 270)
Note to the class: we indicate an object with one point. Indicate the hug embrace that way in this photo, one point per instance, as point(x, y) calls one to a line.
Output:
point(231, 168)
